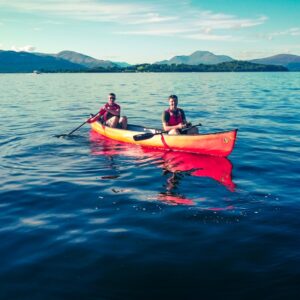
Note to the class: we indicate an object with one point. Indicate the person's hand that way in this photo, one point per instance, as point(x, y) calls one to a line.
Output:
point(187, 125)
point(93, 118)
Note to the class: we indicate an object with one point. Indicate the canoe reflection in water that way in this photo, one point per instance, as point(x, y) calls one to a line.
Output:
point(175, 165)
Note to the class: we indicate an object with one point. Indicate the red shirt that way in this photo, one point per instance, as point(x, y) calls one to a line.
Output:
point(107, 115)
point(104, 113)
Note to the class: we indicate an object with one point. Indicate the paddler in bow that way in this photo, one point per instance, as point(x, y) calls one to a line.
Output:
point(173, 119)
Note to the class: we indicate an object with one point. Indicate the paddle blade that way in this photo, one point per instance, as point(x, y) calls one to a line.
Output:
point(65, 136)
point(143, 136)
point(60, 135)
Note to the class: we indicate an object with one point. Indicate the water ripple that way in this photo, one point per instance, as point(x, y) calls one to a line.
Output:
point(89, 217)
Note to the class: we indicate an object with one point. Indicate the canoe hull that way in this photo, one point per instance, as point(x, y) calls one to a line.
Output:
point(217, 144)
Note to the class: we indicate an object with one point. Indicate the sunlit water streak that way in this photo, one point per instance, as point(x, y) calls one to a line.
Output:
point(85, 218)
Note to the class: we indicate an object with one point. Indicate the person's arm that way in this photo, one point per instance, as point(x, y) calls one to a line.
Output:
point(115, 111)
point(168, 128)
point(96, 117)
point(184, 121)
point(183, 116)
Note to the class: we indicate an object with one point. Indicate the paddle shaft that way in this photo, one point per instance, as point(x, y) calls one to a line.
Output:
point(184, 129)
point(149, 135)
point(68, 134)
point(78, 127)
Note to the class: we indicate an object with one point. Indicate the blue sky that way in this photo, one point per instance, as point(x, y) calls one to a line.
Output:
point(148, 31)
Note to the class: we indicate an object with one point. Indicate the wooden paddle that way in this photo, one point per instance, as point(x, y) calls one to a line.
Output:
point(149, 135)
point(68, 134)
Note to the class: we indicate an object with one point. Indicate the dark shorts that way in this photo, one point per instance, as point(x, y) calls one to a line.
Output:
point(183, 131)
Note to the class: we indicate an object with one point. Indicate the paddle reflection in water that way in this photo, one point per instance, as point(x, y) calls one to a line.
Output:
point(175, 165)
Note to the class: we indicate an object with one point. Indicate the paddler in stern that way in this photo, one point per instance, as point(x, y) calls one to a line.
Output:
point(110, 114)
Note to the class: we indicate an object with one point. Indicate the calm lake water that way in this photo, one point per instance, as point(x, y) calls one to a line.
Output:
point(86, 218)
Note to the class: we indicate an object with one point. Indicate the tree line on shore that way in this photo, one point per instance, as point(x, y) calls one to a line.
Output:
point(232, 66)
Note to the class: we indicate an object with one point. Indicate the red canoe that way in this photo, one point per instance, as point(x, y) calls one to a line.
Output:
point(173, 163)
point(217, 144)
point(198, 165)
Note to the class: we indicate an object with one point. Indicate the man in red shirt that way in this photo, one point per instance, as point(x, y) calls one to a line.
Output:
point(173, 119)
point(110, 114)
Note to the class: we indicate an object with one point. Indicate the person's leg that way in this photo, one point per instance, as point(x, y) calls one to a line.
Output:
point(113, 122)
point(174, 131)
point(123, 122)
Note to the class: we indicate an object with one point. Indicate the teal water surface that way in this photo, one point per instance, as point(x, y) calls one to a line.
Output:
point(86, 218)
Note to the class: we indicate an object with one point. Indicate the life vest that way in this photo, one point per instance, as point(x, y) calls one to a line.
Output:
point(175, 118)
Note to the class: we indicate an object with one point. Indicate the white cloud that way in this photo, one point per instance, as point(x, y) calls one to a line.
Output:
point(295, 31)
point(222, 21)
point(51, 22)
point(134, 12)
point(210, 37)
point(157, 32)
point(184, 33)
point(148, 18)
point(91, 10)
point(27, 48)
point(153, 18)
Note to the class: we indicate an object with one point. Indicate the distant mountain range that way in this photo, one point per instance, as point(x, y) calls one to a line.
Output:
point(196, 58)
point(84, 60)
point(290, 61)
point(18, 62)
point(70, 61)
